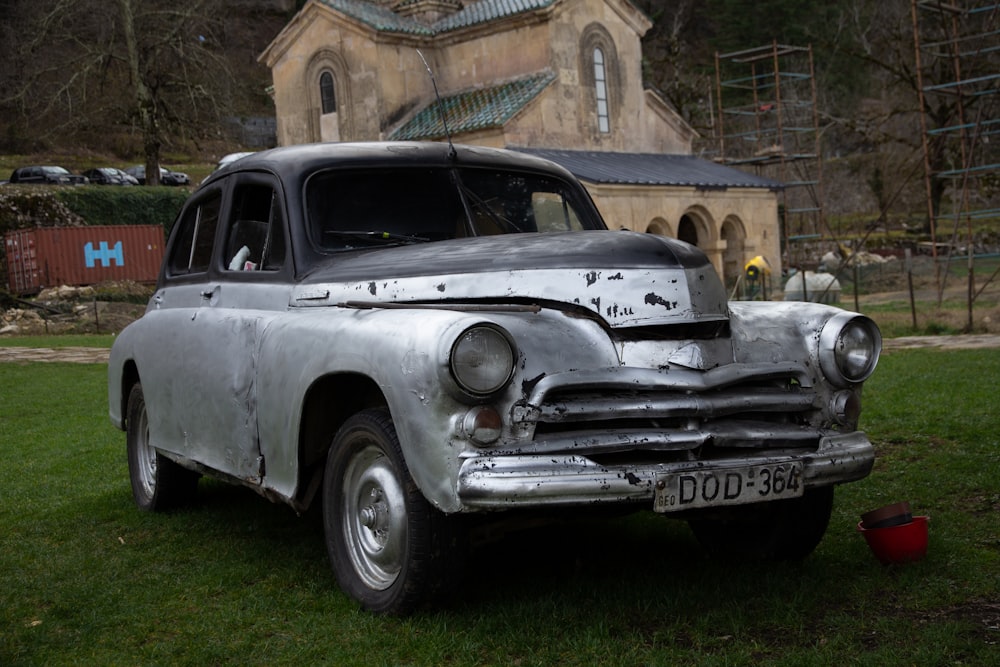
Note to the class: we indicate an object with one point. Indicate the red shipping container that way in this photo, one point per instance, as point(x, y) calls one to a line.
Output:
point(52, 256)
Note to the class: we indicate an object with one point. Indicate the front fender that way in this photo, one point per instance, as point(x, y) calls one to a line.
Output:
point(779, 331)
point(406, 354)
point(399, 350)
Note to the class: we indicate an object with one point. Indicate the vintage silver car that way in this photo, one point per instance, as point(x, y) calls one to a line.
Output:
point(410, 334)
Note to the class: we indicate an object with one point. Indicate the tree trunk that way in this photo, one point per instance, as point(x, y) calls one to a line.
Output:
point(145, 105)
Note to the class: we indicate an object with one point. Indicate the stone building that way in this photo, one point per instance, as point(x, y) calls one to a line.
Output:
point(559, 78)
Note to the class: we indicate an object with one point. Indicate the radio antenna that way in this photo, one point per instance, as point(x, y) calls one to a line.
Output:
point(444, 120)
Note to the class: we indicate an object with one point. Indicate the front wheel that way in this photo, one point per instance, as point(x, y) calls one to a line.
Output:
point(157, 482)
point(389, 548)
point(779, 530)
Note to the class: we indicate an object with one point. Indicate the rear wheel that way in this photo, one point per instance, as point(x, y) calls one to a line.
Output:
point(157, 482)
point(779, 530)
point(389, 548)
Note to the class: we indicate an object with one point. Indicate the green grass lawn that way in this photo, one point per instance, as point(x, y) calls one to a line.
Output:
point(86, 579)
point(69, 340)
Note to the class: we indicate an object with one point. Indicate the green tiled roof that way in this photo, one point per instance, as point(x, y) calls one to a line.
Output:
point(378, 17)
point(485, 11)
point(383, 19)
point(475, 109)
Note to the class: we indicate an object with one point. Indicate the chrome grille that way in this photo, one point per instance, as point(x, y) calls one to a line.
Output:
point(677, 412)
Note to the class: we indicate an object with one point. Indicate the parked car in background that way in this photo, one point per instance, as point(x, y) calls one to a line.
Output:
point(229, 159)
point(415, 335)
point(110, 176)
point(47, 175)
point(167, 177)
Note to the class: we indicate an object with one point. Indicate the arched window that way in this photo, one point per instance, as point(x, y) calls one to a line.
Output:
point(328, 99)
point(601, 91)
point(600, 81)
point(328, 90)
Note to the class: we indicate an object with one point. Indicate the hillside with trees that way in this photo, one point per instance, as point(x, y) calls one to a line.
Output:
point(133, 78)
point(867, 88)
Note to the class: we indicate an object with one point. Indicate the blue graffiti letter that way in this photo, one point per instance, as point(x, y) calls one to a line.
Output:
point(104, 255)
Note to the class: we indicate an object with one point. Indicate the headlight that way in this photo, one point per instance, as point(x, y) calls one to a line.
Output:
point(849, 348)
point(482, 360)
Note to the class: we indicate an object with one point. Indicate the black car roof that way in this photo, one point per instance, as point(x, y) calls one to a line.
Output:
point(306, 158)
point(293, 165)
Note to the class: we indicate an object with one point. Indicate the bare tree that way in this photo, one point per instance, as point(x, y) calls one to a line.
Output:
point(151, 66)
point(677, 58)
point(881, 35)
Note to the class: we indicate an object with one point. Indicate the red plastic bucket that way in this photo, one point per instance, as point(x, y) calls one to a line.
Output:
point(890, 515)
point(898, 544)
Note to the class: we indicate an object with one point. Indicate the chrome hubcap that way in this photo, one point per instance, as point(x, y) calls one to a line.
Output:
point(374, 517)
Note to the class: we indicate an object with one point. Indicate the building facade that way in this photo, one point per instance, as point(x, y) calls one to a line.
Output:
point(563, 77)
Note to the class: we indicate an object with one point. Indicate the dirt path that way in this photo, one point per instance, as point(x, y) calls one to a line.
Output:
point(78, 355)
point(97, 355)
point(964, 342)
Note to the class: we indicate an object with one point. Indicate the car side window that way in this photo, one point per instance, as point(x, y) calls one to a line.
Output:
point(192, 249)
point(255, 239)
point(553, 213)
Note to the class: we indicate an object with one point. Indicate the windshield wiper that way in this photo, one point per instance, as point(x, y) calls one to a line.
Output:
point(479, 204)
point(472, 202)
point(376, 237)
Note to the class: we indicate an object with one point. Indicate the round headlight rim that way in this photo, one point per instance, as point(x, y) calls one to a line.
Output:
point(830, 338)
point(463, 386)
point(855, 331)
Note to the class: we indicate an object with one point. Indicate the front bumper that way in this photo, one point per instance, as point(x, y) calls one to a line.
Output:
point(507, 482)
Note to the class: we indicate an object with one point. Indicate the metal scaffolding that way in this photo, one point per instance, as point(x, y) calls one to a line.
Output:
point(767, 121)
point(957, 50)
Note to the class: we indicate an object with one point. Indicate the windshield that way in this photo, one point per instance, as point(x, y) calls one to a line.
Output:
point(362, 208)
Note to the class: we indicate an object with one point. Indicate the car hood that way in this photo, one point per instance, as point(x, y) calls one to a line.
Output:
point(627, 278)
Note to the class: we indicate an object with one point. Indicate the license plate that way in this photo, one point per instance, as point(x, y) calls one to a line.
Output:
point(727, 486)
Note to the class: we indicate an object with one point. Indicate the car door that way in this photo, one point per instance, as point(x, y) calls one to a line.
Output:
point(31, 175)
point(207, 319)
point(252, 291)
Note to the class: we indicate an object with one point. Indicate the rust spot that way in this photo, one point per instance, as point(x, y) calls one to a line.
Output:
point(617, 276)
point(372, 288)
point(592, 278)
point(654, 299)
point(440, 288)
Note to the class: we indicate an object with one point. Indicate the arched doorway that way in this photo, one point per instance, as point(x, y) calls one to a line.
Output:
point(687, 230)
point(659, 226)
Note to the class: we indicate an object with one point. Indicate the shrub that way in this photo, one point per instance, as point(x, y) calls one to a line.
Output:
point(43, 206)
point(125, 206)
point(22, 207)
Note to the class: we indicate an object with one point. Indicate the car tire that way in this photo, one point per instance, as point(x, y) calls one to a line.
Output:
point(779, 530)
point(158, 483)
point(389, 548)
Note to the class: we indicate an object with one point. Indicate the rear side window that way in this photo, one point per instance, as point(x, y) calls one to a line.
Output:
point(192, 249)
